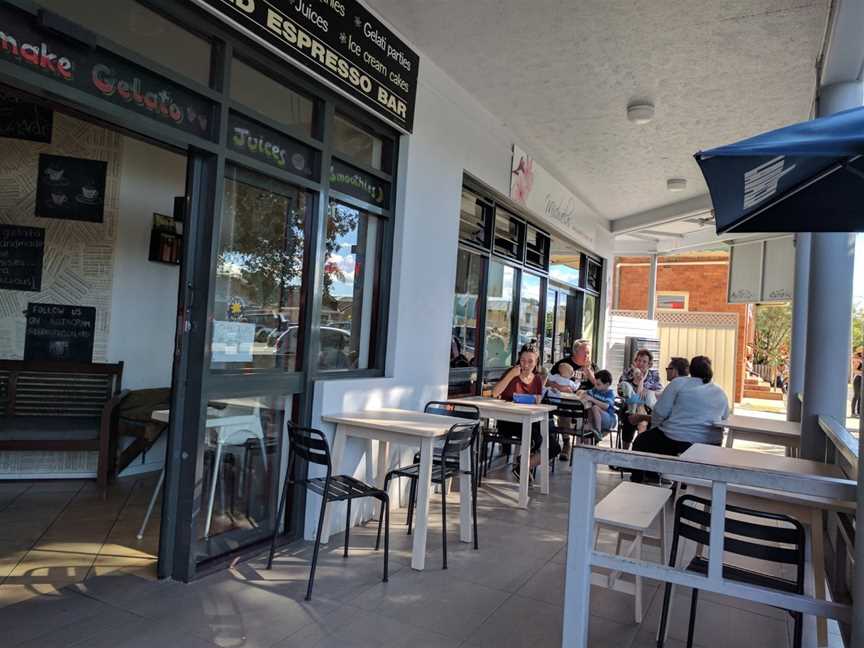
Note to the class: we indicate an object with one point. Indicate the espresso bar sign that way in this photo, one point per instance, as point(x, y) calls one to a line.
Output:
point(340, 41)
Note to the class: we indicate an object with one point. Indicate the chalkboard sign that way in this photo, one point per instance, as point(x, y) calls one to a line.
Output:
point(59, 333)
point(71, 188)
point(23, 119)
point(21, 253)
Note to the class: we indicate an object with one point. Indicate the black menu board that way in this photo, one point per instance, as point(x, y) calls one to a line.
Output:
point(58, 332)
point(21, 253)
point(70, 188)
point(24, 119)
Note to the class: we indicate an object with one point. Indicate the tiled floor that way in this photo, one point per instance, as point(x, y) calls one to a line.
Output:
point(56, 533)
point(507, 594)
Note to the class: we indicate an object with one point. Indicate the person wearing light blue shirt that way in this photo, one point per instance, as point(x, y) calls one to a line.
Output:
point(685, 414)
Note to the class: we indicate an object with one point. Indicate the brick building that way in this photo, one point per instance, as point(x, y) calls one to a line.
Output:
point(695, 281)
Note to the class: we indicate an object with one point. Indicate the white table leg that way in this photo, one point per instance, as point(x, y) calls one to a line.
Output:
point(544, 455)
point(383, 462)
point(637, 555)
point(210, 500)
point(337, 451)
point(524, 463)
point(465, 503)
point(421, 513)
point(818, 557)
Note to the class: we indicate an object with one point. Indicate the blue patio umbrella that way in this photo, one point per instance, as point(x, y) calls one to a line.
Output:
point(808, 177)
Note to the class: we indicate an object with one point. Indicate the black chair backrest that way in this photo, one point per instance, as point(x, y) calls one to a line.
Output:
point(309, 444)
point(767, 541)
point(569, 407)
point(458, 410)
point(459, 437)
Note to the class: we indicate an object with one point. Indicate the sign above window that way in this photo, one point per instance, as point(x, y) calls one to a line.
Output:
point(269, 146)
point(97, 72)
point(339, 41)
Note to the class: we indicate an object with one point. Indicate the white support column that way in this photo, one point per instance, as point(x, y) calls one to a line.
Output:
point(829, 307)
point(652, 288)
point(798, 342)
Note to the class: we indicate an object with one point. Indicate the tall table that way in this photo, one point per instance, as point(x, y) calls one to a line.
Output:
point(762, 430)
point(807, 509)
point(526, 415)
point(408, 428)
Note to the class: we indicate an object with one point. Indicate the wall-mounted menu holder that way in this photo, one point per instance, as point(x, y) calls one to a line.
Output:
point(166, 239)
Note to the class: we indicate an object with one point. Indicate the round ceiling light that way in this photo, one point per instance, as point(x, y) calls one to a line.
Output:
point(640, 113)
point(676, 184)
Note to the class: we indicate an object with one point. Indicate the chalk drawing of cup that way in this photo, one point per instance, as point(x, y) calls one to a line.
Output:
point(59, 198)
point(55, 175)
point(58, 348)
point(90, 193)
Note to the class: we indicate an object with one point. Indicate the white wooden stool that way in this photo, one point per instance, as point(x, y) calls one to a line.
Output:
point(630, 509)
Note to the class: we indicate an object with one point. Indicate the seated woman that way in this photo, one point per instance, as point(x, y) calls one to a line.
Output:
point(639, 385)
point(523, 379)
point(683, 415)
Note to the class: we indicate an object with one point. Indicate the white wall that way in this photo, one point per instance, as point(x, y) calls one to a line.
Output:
point(144, 300)
point(452, 134)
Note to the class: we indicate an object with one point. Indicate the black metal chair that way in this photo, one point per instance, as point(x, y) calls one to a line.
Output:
point(460, 437)
point(568, 409)
point(311, 445)
point(767, 542)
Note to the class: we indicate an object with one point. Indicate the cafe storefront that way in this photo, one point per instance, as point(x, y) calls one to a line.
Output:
point(286, 126)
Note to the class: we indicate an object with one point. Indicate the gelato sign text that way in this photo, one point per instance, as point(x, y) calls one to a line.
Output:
point(535, 188)
point(340, 41)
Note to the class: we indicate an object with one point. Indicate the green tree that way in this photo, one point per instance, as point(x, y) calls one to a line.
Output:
point(773, 327)
point(858, 326)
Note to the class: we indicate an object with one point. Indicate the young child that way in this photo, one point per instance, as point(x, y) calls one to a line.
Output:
point(563, 380)
point(601, 415)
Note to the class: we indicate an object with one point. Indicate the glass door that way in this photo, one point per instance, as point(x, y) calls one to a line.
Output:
point(252, 361)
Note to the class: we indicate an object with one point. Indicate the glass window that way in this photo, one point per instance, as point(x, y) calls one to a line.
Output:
point(589, 319)
point(141, 30)
point(474, 219)
point(537, 248)
point(499, 316)
point(594, 275)
point(509, 235)
point(565, 265)
point(350, 291)
point(259, 271)
point(271, 98)
point(466, 313)
point(529, 310)
point(549, 329)
point(359, 144)
point(243, 445)
point(563, 338)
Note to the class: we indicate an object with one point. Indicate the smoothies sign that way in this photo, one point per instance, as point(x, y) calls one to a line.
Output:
point(340, 41)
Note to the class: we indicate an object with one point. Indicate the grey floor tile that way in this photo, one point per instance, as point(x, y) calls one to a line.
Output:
point(84, 631)
point(520, 622)
point(432, 600)
point(42, 615)
point(148, 633)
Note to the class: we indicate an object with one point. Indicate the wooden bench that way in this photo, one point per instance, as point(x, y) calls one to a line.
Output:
point(59, 406)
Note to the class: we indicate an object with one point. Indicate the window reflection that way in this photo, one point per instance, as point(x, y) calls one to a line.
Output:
point(466, 314)
point(549, 329)
point(499, 316)
point(350, 288)
point(258, 274)
point(243, 442)
point(529, 310)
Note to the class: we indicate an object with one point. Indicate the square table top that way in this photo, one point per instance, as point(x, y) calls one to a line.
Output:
point(400, 421)
point(761, 425)
point(502, 406)
point(734, 458)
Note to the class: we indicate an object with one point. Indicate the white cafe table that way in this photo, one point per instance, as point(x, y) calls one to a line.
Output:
point(526, 415)
point(807, 509)
point(407, 428)
point(762, 430)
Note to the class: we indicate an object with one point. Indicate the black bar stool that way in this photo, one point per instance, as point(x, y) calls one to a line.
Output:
point(311, 445)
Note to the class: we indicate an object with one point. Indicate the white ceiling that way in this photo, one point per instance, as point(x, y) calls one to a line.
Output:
point(560, 74)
